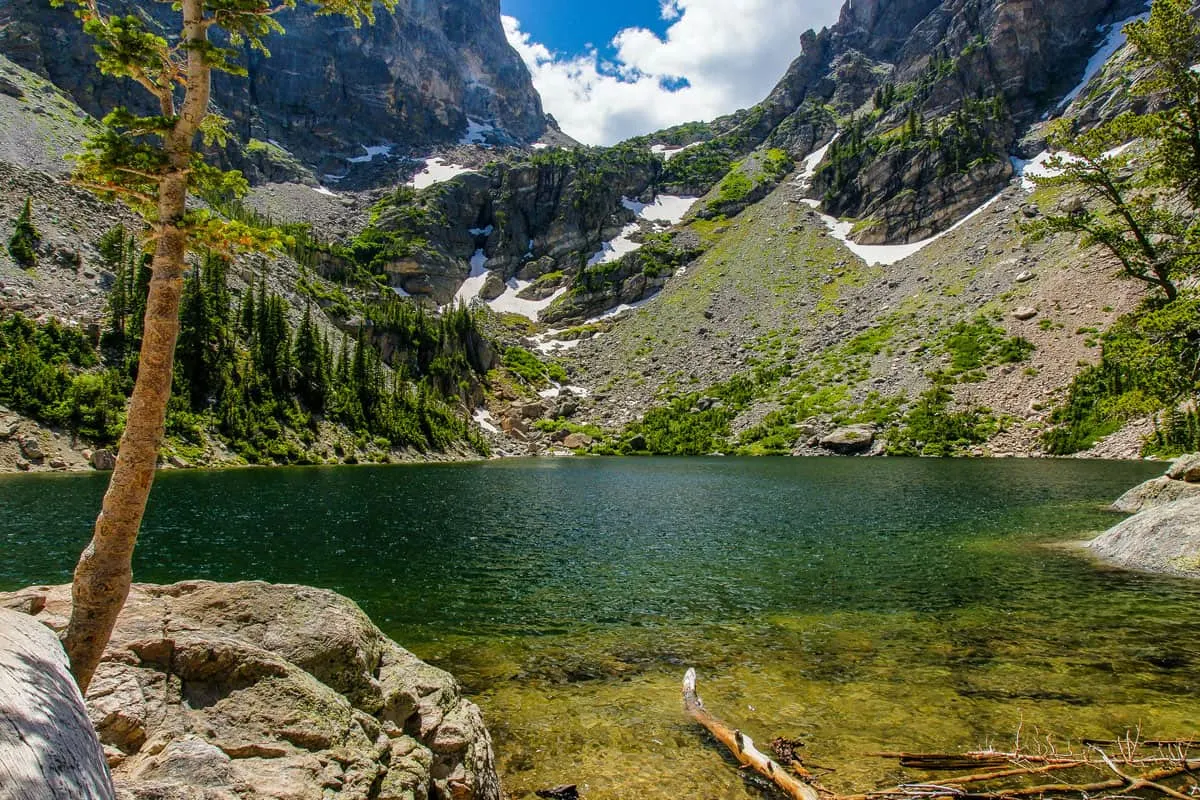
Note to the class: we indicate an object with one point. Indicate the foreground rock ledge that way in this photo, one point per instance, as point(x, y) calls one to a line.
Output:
point(213, 691)
point(1163, 538)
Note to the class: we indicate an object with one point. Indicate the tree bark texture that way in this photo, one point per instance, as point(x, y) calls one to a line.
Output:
point(105, 571)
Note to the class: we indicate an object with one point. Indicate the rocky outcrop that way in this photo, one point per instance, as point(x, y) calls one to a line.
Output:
point(425, 74)
point(529, 218)
point(252, 690)
point(48, 749)
point(1181, 481)
point(948, 86)
point(1164, 538)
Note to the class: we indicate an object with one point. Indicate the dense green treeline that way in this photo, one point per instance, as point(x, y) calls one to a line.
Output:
point(244, 372)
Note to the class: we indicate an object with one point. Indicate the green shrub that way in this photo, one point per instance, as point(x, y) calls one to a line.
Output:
point(929, 428)
point(1150, 362)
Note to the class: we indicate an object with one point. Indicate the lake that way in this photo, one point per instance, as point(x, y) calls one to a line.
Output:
point(856, 604)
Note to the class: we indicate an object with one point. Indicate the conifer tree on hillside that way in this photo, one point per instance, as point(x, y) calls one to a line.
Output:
point(150, 163)
point(22, 245)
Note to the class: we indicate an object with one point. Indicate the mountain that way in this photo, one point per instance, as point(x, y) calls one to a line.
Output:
point(843, 267)
point(428, 73)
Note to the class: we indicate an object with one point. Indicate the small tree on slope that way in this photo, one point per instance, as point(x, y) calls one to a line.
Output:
point(150, 163)
point(22, 245)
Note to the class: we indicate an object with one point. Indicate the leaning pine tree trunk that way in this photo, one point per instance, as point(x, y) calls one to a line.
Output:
point(105, 570)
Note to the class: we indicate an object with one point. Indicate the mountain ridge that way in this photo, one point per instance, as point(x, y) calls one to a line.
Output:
point(569, 234)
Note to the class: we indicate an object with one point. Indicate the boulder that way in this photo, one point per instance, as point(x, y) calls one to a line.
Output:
point(48, 749)
point(212, 690)
point(850, 440)
point(637, 443)
point(1155, 492)
point(104, 460)
point(31, 448)
point(1024, 313)
point(531, 410)
point(576, 441)
point(1186, 468)
point(1164, 539)
point(493, 286)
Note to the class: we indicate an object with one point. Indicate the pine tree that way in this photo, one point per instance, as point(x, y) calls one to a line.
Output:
point(1140, 216)
point(309, 360)
point(150, 163)
point(22, 245)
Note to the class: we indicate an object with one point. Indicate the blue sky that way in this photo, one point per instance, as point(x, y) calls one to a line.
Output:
point(570, 27)
point(615, 69)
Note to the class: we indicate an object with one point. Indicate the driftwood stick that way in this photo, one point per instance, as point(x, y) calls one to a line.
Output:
point(1125, 783)
point(1142, 743)
point(980, 777)
point(742, 746)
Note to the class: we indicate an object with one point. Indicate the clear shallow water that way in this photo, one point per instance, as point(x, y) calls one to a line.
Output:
point(858, 604)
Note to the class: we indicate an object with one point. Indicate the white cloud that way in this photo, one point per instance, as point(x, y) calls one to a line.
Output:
point(730, 53)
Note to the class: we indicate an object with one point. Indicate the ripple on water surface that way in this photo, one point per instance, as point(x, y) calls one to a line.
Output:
point(856, 604)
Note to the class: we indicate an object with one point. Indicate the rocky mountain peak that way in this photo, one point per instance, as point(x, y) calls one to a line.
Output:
point(429, 73)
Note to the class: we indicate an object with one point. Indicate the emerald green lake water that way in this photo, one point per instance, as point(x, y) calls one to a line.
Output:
point(858, 604)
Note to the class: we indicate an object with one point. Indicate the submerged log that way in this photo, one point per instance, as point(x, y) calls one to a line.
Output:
point(742, 746)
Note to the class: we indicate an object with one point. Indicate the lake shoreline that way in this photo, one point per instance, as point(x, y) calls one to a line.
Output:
point(69, 460)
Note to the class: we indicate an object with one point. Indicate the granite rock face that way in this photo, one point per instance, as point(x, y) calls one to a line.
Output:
point(1181, 481)
point(970, 77)
point(1164, 538)
point(429, 73)
point(49, 748)
point(253, 690)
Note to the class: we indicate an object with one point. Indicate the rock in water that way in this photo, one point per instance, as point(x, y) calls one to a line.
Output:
point(254, 690)
point(1155, 492)
point(1181, 481)
point(1164, 539)
point(104, 460)
point(48, 749)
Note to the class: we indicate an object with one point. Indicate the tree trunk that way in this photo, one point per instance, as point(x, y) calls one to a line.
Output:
point(105, 569)
point(742, 746)
point(105, 572)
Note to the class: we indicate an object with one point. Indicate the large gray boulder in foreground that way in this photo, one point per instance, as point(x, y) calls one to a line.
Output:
point(213, 691)
point(1164, 538)
point(48, 750)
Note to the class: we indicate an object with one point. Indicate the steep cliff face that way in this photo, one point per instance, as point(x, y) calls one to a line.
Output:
point(431, 72)
point(932, 98)
point(535, 220)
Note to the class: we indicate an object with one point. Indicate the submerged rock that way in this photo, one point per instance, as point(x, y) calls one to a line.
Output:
point(254, 690)
point(1164, 539)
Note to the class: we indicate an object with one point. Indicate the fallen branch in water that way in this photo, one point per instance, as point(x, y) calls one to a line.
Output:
point(1133, 769)
point(742, 746)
